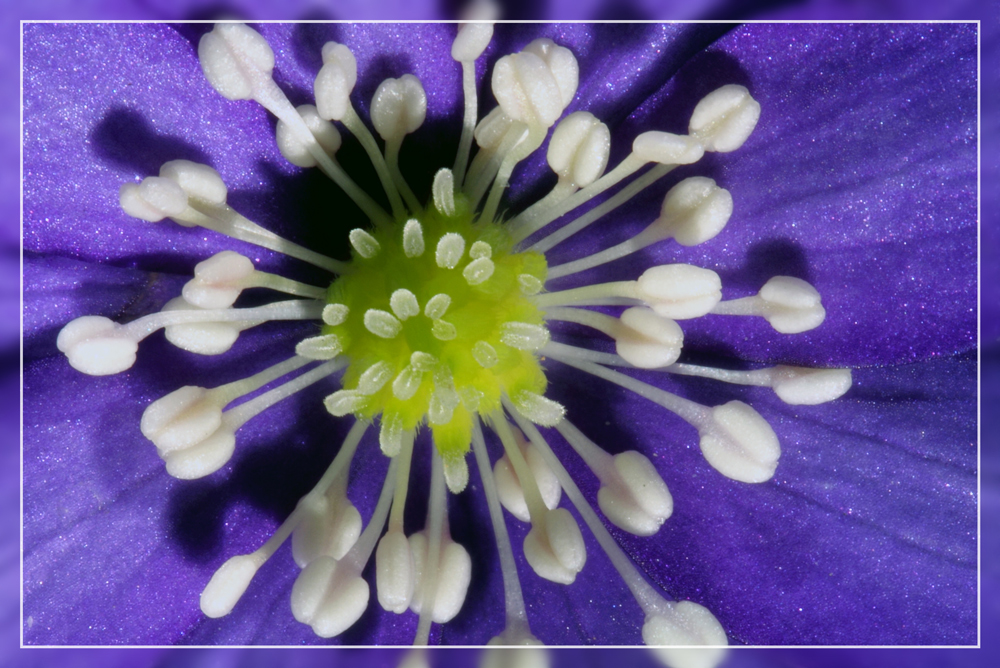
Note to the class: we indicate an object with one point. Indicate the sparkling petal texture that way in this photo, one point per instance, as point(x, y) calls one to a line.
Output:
point(866, 535)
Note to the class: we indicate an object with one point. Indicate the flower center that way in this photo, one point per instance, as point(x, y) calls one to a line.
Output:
point(436, 320)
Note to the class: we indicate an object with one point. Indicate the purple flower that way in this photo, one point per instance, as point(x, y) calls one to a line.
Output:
point(859, 178)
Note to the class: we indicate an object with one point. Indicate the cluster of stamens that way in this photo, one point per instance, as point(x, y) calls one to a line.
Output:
point(440, 319)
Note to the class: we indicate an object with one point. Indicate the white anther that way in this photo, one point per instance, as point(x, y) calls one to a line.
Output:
point(153, 200)
point(694, 211)
point(407, 382)
point(685, 623)
point(422, 361)
point(690, 657)
point(382, 323)
point(293, 146)
point(335, 81)
point(203, 338)
point(492, 129)
point(638, 501)
point(413, 238)
point(449, 250)
point(329, 527)
point(235, 58)
point(218, 280)
point(530, 285)
point(471, 40)
point(791, 305)
point(92, 345)
point(443, 330)
point(667, 149)
point(647, 340)
point(724, 118)
point(322, 347)
point(328, 596)
point(555, 550)
point(484, 354)
point(390, 435)
point(453, 575)
point(199, 181)
point(443, 192)
point(680, 291)
point(480, 249)
point(335, 314)
point(404, 304)
point(509, 487)
point(343, 402)
point(540, 410)
point(497, 655)
point(535, 85)
point(227, 585)
point(203, 458)
point(394, 572)
point(364, 243)
point(181, 419)
point(579, 148)
point(478, 271)
point(456, 474)
point(399, 107)
point(739, 443)
point(437, 306)
point(801, 386)
point(375, 377)
point(524, 335)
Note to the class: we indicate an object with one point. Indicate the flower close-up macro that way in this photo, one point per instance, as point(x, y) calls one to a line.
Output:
point(742, 391)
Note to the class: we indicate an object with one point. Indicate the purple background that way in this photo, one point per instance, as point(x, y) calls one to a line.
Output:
point(235, 657)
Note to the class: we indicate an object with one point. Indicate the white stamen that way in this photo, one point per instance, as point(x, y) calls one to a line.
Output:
point(535, 85)
point(152, 200)
point(680, 291)
point(227, 585)
point(330, 526)
point(524, 335)
point(375, 377)
point(297, 151)
point(404, 304)
point(394, 572)
point(93, 345)
point(437, 306)
point(235, 60)
point(793, 385)
point(382, 323)
point(667, 149)
point(480, 249)
point(686, 623)
point(203, 338)
point(413, 238)
point(218, 280)
point(323, 347)
point(540, 410)
point(579, 148)
point(406, 384)
point(509, 488)
point(694, 211)
point(364, 243)
point(478, 271)
point(454, 574)
point(647, 340)
point(530, 285)
point(443, 330)
point(443, 192)
point(484, 354)
point(335, 314)
point(456, 474)
point(471, 40)
point(724, 118)
point(335, 81)
point(739, 443)
point(789, 304)
point(399, 107)
point(390, 436)
point(198, 181)
point(342, 402)
point(450, 248)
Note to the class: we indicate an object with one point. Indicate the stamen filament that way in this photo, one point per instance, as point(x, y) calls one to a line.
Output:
point(436, 520)
point(361, 553)
point(518, 153)
point(236, 417)
point(599, 321)
point(517, 615)
point(402, 482)
point(601, 294)
point(468, 122)
point(625, 194)
point(358, 128)
point(539, 215)
point(294, 309)
point(261, 279)
point(392, 147)
point(649, 599)
point(638, 242)
point(536, 505)
point(226, 394)
point(225, 220)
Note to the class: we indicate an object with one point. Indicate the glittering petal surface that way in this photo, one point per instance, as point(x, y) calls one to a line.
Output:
point(867, 533)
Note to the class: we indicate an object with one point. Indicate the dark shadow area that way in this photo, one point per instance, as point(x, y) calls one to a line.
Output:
point(766, 259)
point(117, 134)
